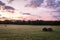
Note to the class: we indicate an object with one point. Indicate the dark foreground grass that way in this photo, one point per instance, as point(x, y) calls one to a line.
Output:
point(28, 32)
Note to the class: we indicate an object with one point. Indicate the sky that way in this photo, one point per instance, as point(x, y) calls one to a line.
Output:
point(33, 10)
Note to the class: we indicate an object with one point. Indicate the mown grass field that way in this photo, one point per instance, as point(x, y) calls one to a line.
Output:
point(28, 32)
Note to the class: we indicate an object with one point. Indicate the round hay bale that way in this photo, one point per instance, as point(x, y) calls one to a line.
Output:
point(50, 29)
point(44, 29)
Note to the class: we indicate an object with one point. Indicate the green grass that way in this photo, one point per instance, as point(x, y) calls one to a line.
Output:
point(28, 32)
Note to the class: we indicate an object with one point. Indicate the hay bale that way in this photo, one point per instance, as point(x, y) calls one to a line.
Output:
point(50, 29)
point(44, 29)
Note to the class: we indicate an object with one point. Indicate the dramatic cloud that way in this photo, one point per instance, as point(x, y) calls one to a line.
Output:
point(10, 1)
point(33, 9)
point(51, 3)
point(1, 3)
point(9, 7)
point(35, 3)
point(56, 13)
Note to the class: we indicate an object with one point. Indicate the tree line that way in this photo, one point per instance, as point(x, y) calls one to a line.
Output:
point(36, 22)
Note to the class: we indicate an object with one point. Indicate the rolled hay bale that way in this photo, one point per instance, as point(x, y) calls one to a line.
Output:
point(50, 29)
point(44, 29)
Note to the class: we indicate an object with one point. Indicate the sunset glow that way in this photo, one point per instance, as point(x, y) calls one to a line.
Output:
point(28, 10)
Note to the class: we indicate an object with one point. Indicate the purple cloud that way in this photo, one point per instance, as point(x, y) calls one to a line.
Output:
point(56, 14)
point(9, 7)
point(1, 3)
point(26, 14)
point(35, 3)
point(51, 3)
